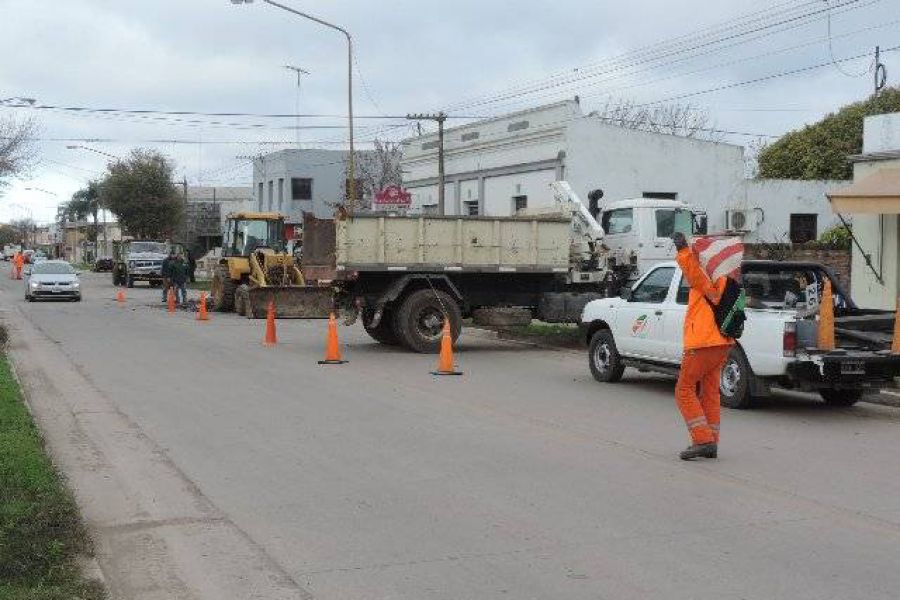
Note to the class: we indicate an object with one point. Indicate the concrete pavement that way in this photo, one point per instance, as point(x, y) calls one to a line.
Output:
point(210, 466)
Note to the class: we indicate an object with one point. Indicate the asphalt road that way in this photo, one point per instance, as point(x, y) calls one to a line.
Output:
point(210, 466)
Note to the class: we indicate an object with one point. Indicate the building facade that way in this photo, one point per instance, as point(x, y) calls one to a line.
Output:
point(205, 210)
point(296, 182)
point(503, 166)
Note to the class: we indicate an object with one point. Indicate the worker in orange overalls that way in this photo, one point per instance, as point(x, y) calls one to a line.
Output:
point(19, 262)
point(705, 351)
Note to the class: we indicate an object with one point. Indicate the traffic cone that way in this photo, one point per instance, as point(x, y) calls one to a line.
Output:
point(826, 319)
point(202, 315)
point(895, 344)
point(332, 347)
point(170, 299)
point(120, 297)
point(445, 360)
point(271, 338)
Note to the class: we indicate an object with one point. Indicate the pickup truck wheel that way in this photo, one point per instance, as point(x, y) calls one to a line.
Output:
point(841, 397)
point(420, 320)
point(734, 383)
point(383, 333)
point(222, 290)
point(604, 359)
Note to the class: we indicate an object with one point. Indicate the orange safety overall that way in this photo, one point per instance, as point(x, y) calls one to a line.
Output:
point(705, 351)
point(19, 261)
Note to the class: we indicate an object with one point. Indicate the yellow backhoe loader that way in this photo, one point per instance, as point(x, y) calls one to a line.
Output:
point(255, 269)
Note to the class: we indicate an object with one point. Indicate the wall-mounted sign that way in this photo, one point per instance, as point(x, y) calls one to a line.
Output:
point(393, 196)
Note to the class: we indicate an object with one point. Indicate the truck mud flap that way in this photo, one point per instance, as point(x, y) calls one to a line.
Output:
point(295, 302)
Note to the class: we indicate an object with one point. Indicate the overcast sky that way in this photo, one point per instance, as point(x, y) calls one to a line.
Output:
point(413, 56)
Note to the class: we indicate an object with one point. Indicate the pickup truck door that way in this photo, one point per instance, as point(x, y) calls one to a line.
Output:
point(640, 325)
point(675, 310)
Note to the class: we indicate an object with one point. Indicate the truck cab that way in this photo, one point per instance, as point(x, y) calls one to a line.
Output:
point(638, 231)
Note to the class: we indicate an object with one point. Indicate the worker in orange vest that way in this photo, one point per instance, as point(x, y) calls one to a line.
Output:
point(705, 351)
point(19, 262)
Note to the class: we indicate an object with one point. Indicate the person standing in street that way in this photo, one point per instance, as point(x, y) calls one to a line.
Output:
point(166, 272)
point(705, 351)
point(178, 272)
point(192, 267)
point(19, 262)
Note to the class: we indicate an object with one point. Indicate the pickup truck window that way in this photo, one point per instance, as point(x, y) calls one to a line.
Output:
point(619, 220)
point(655, 287)
point(786, 288)
point(684, 290)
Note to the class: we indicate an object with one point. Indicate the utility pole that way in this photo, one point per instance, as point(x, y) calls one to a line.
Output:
point(300, 73)
point(880, 71)
point(440, 118)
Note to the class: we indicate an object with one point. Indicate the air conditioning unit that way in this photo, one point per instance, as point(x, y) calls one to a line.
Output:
point(740, 219)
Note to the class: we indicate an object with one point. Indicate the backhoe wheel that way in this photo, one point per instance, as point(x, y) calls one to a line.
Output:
point(242, 301)
point(420, 320)
point(384, 332)
point(222, 290)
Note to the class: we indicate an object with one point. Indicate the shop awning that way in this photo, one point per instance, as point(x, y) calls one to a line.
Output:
point(878, 193)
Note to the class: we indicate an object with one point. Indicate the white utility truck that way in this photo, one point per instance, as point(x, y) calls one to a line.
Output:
point(403, 275)
point(644, 329)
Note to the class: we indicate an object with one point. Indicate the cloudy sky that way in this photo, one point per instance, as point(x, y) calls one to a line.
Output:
point(471, 57)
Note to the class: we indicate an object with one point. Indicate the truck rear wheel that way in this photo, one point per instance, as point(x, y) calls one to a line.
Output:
point(734, 383)
point(420, 320)
point(603, 358)
point(222, 290)
point(841, 397)
point(384, 332)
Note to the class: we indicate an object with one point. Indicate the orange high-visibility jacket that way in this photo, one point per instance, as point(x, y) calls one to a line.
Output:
point(19, 259)
point(700, 329)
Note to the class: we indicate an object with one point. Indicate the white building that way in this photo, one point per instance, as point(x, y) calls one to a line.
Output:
point(294, 182)
point(504, 165)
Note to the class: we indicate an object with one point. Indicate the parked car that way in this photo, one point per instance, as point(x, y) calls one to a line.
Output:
point(644, 329)
point(103, 265)
point(52, 279)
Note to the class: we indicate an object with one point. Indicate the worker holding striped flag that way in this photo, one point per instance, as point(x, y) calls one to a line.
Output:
point(711, 266)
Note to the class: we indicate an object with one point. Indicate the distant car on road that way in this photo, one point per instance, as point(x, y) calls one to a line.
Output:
point(103, 265)
point(52, 279)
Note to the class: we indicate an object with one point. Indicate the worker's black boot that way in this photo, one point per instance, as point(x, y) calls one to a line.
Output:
point(710, 450)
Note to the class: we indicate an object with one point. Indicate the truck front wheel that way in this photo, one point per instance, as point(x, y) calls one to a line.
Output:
point(841, 397)
point(604, 359)
point(734, 382)
point(420, 320)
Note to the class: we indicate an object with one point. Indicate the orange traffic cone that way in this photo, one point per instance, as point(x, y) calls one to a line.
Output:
point(826, 319)
point(120, 297)
point(202, 315)
point(445, 360)
point(895, 344)
point(170, 299)
point(271, 338)
point(332, 347)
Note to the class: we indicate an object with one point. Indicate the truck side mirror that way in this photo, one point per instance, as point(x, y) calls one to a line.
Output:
point(594, 197)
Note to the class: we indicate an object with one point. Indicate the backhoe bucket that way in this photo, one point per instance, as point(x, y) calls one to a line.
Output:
point(291, 302)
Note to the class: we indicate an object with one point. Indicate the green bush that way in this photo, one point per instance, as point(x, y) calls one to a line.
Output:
point(837, 237)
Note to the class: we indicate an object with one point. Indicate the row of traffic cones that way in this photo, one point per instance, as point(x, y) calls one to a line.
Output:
point(333, 356)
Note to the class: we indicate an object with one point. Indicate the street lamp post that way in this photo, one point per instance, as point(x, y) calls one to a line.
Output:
point(351, 167)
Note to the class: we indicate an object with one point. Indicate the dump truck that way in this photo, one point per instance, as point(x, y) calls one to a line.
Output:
point(403, 276)
point(255, 269)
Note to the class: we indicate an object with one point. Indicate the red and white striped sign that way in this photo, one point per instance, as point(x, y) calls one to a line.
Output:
point(719, 255)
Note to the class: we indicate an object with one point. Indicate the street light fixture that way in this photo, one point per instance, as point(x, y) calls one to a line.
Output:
point(351, 166)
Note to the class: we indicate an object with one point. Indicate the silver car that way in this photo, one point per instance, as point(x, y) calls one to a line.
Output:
point(52, 279)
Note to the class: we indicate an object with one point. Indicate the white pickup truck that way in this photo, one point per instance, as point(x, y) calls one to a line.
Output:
point(643, 329)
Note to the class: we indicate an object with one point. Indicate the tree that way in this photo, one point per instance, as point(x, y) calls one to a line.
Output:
point(684, 120)
point(375, 170)
point(17, 149)
point(139, 191)
point(820, 150)
point(23, 229)
point(86, 202)
point(8, 235)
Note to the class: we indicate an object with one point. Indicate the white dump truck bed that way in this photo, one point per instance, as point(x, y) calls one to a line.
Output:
point(452, 243)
